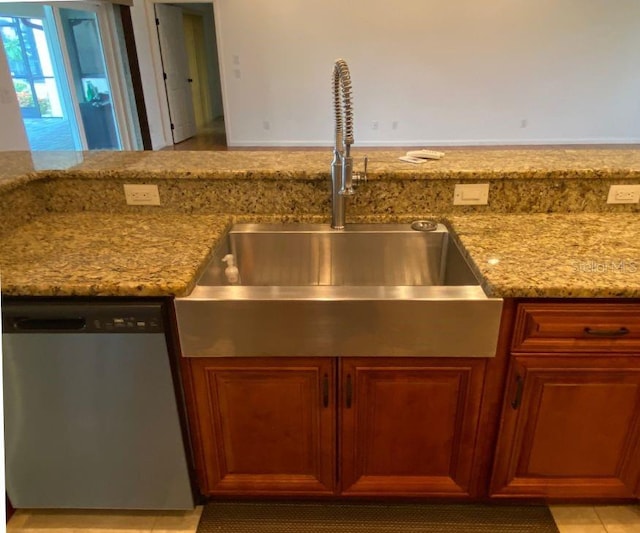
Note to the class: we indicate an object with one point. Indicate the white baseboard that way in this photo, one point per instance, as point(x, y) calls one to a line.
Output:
point(440, 142)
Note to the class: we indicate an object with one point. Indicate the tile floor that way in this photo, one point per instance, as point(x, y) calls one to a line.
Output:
point(598, 519)
point(45, 521)
point(569, 518)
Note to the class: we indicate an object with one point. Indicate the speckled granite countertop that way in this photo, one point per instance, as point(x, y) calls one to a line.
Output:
point(559, 255)
point(309, 164)
point(554, 255)
point(101, 254)
point(305, 164)
point(86, 249)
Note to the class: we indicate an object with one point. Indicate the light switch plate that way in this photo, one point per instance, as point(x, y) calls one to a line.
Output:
point(137, 194)
point(471, 194)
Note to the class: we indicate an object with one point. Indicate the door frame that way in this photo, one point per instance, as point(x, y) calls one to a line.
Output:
point(113, 64)
point(60, 65)
point(178, 78)
point(124, 114)
point(156, 57)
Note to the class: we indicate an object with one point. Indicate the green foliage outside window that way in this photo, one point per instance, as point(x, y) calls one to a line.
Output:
point(24, 94)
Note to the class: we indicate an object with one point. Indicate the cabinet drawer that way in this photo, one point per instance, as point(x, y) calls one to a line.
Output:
point(577, 327)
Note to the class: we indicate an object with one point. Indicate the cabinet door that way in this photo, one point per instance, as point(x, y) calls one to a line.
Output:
point(409, 425)
point(264, 426)
point(570, 428)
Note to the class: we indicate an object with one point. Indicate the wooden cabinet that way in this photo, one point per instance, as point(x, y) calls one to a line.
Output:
point(556, 414)
point(270, 426)
point(263, 426)
point(577, 328)
point(408, 426)
point(571, 417)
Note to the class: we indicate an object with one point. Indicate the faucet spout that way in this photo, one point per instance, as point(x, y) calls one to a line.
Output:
point(342, 164)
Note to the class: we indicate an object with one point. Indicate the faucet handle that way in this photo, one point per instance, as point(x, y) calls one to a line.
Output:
point(361, 178)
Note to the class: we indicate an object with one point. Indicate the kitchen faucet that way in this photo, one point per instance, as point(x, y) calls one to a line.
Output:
point(342, 164)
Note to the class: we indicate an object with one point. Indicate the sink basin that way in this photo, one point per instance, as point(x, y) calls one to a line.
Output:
point(367, 290)
point(387, 255)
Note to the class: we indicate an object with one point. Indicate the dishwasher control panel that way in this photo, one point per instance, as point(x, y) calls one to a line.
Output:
point(79, 318)
point(127, 323)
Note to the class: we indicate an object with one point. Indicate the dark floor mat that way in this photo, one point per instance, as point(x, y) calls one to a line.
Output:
point(330, 517)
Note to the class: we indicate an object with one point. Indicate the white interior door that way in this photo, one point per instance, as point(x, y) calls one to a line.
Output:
point(175, 64)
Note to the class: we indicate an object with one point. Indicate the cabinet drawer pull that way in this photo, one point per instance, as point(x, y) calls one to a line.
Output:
point(349, 391)
point(325, 391)
point(607, 332)
point(517, 400)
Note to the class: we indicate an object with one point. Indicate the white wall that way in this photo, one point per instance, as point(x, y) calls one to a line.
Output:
point(456, 72)
point(12, 134)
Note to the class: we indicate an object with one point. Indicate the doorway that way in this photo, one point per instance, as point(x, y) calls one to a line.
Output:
point(63, 69)
point(36, 66)
point(187, 37)
point(88, 78)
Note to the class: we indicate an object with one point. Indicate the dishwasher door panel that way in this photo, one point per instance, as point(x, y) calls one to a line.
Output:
point(91, 422)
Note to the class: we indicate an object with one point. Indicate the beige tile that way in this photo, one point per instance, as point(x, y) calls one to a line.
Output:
point(584, 528)
point(178, 521)
point(620, 518)
point(122, 529)
point(67, 521)
point(77, 530)
point(571, 518)
point(623, 528)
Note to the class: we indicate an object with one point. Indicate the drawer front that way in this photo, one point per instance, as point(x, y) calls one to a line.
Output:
point(577, 327)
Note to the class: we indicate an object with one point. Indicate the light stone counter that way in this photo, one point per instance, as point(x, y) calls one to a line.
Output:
point(102, 254)
point(304, 164)
point(554, 255)
point(485, 163)
point(547, 231)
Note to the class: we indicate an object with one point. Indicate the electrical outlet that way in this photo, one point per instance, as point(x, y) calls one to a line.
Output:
point(141, 194)
point(471, 194)
point(624, 194)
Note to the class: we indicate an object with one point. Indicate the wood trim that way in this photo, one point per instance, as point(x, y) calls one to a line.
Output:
point(230, 463)
point(518, 473)
point(562, 328)
point(489, 420)
point(136, 77)
point(388, 410)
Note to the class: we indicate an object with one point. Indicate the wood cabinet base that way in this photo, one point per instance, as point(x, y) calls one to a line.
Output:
point(571, 428)
point(409, 425)
point(265, 426)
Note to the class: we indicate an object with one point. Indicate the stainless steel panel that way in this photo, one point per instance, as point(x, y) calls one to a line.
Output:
point(424, 328)
point(368, 290)
point(360, 255)
point(91, 422)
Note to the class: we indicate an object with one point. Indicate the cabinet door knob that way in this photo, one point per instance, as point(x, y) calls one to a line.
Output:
point(607, 332)
point(349, 392)
point(517, 400)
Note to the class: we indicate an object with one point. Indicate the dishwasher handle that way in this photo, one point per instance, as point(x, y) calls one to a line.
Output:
point(48, 324)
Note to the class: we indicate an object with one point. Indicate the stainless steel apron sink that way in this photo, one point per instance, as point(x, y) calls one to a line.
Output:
point(367, 290)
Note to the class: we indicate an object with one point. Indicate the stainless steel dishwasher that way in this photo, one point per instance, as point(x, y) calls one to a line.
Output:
point(91, 413)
